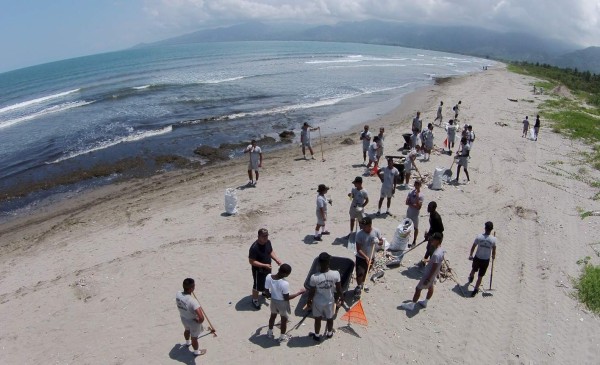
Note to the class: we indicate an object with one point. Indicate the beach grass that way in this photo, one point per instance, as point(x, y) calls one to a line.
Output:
point(588, 285)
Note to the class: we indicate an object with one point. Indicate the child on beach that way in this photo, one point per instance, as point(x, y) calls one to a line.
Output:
point(360, 198)
point(325, 291)
point(439, 113)
point(373, 147)
point(380, 144)
point(321, 212)
point(451, 134)
point(365, 137)
point(366, 239)
point(463, 158)
point(414, 201)
point(430, 274)
point(279, 289)
point(255, 163)
point(305, 139)
point(408, 165)
point(191, 315)
point(525, 127)
point(427, 142)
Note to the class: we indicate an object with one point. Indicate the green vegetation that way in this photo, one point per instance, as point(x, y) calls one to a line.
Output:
point(588, 285)
point(578, 117)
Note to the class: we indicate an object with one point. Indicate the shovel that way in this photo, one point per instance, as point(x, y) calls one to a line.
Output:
point(448, 173)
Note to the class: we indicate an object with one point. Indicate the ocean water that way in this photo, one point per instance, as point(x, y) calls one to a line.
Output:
point(61, 120)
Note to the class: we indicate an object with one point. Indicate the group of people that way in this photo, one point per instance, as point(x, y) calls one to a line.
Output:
point(325, 290)
point(536, 127)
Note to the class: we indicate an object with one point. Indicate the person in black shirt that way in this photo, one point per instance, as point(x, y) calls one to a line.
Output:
point(536, 126)
point(435, 226)
point(260, 255)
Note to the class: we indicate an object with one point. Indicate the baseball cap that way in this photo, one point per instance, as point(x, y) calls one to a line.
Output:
point(357, 179)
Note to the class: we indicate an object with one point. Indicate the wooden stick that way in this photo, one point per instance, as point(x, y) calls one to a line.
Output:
point(321, 143)
point(492, 273)
point(212, 328)
point(454, 278)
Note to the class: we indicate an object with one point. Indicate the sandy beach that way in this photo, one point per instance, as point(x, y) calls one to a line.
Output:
point(92, 280)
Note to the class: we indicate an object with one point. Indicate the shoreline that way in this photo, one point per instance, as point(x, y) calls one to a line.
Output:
point(185, 166)
point(94, 262)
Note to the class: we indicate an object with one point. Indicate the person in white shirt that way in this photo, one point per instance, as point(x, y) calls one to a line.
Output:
point(430, 274)
point(325, 291)
point(486, 248)
point(321, 212)
point(191, 315)
point(279, 290)
point(365, 137)
point(380, 144)
point(388, 177)
point(360, 199)
point(463, 158)
point(305, 139)
point(366, 239)
point(256, 159)
point(427, 142)
point(451, 134)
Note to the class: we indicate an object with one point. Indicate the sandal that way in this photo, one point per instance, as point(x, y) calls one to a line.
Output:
point(325, 232)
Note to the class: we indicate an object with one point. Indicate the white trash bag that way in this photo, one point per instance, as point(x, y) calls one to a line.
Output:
point(402, 235)
point(438, 174)
point(231, 201)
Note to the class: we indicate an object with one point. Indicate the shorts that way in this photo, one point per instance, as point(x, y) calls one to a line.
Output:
point(356, 214)
point(281, 307)
point(480, 265)
point(426, 285)
point(320, 220)
point(379, 152)
point(259, 279)
point(361, 267)
point(252, 166)
point(387, 191)
point(464, 162)
point(306, 144)
point(365, 148)
point(413, 217)
point(191, 325)
point(323, 310)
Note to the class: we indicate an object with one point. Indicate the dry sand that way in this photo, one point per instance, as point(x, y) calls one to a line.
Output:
point(93, 279)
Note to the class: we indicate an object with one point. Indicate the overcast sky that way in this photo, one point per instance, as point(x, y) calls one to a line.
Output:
point(39, 31)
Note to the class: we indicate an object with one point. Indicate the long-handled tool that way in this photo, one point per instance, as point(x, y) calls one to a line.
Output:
point(448, 173)
point(492, 272)
point(321, 143)
point(453, 277)
point(417, 169)
point(211, 327)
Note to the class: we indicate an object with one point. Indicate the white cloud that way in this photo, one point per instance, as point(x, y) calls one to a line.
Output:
point(573, 20)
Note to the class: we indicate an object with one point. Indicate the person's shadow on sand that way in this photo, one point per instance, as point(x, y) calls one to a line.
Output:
point(309, 239)
point(413, 272)
point(245, 304)
point(259, 338)
point(182, 354)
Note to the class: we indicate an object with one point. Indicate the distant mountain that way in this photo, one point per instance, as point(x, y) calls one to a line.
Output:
point(587, 59)
point(474, 41)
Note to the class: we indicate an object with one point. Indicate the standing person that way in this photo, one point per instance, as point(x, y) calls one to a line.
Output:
point(456, 109)
point(428, 141)
point(366, 238)
point(321, 211)
point(463, 158)
point(360, 199)
point(439, 113)
point(417, 127)
point(380, 144)
point(305, 139)
point(279, 290)
point(191, 315)
point(388, 187)
point(486, 248)
point(365, 137)
point(451, 134)
point(414, 200)
point(430, 274)
point(536, 126)
point(408, 165)
point(373, 147)
point(260, 255)
point(470, 136)
point(435, 225)
point(321, 297)
point(525, 126)
point(255, 163)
